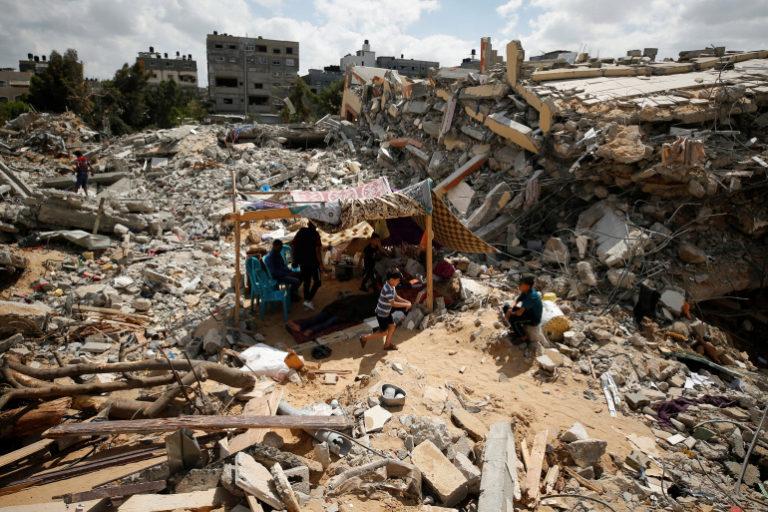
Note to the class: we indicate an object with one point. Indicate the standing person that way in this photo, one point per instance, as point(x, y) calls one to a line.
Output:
point(370, 255)
point(280, 271)
point(388, 299)
point(527, 309)
point(82, 169)
point(307, 252)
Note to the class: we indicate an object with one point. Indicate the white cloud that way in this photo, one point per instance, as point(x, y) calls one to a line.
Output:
point(508, 11)
point(604, 28)
point(108, 34)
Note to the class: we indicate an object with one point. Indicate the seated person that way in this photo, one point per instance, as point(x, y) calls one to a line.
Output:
point(346, 310)
point(527, 309)
point(280, 271)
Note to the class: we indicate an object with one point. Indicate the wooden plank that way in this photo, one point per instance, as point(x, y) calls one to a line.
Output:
point(551, 479)
point(525, 453)
point(23, 453)
point(533, 477)
point(53, 506)
point(255, 407)
point(208, 423)
point(273, 213)
point(459, 174)
point(115, 491)
point(253, 504)
point(592, 486)
point(197, 500)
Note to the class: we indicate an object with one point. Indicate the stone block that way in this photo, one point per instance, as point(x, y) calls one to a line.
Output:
point(577, 432)
point(449, 484)
point(476, 429)
point(587, 452)
point(637, 400)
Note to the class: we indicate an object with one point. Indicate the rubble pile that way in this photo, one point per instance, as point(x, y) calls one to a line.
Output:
point(633, 189)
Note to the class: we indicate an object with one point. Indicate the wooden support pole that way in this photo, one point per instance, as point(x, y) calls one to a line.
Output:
point(238, 277)
point(208, 423)
point(98, 216)
point(430, 277)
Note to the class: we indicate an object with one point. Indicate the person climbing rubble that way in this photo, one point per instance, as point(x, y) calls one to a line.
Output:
point(307, 253)
point(279, 270)
point(526, 310)
point(388, 299)
point(82, 170)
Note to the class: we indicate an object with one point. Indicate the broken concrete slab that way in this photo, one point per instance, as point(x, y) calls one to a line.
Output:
point(513, 131)
point(577, 432)
point(484, 92)
point(587, 452)
point(68, 182)
point(375, 418)
point(499, 485)
point(460, 173)
point(476, 429)
point(496, 199)
point(449, 484)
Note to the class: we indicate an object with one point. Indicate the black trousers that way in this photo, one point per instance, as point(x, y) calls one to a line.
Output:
point(310, 277)
point(518, 324)
point(369, 277)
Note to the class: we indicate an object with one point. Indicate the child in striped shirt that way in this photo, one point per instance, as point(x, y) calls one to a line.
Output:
point(388, 299)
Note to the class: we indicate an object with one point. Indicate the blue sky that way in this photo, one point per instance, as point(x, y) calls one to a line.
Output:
point(108, 33)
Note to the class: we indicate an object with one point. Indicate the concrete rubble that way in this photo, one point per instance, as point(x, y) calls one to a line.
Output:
point(633, 189)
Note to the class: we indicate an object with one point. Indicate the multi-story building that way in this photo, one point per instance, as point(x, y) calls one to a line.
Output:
point(249, 75)
point(13, 84)
point(319, 79)
point(34, 63)
point(408, 67)
point(181, 69)
point(362, 57)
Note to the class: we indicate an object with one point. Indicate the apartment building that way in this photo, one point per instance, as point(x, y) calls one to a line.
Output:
point(250, 76)
point(408, 67)
point(319, 79)
point(13, 84)
point(181, 69)
point(33, 63)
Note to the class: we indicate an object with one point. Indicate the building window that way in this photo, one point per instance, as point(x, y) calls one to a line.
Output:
point(289, 51)
point(276, 74)
point(232, 60)
point(262, 60)
point(227, 101)
point(226, 82)
point(258, 86)
point(261, 48)
point(290, 62)
point(275, 50)
point(258, 100)
point(218, 46)
point(250, 47)
point(220, 59)
point(233, 47)
point(276, 62)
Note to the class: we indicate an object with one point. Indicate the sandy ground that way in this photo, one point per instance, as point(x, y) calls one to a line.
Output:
point(36, 269)
point(485, 369)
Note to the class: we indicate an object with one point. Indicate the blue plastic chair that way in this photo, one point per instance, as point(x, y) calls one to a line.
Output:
point(265, 289)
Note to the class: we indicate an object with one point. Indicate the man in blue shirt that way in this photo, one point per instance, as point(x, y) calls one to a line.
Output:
point(527, 309)
point(279, 270)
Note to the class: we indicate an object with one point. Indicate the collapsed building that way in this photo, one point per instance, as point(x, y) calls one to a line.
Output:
point(633, 189)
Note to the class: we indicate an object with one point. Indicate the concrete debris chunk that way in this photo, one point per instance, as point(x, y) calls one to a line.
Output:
point(577, 432)
point(587, 452)
point(449, 484)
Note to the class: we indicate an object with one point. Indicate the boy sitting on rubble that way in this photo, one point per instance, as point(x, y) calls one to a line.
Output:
point(388, 299)
point(526, 310)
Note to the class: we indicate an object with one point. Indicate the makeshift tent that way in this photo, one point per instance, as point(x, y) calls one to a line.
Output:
point(342, 210)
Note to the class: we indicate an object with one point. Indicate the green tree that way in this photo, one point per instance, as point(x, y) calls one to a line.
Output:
point(12, 109)
point(329, 99)
point(162, 101)
point(304, 102)
point(130, 84)
point(61, 85)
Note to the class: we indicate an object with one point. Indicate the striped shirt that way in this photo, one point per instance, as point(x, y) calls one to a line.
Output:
point(384, 306)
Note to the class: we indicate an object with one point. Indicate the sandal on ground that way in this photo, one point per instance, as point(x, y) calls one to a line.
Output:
point(391, 347)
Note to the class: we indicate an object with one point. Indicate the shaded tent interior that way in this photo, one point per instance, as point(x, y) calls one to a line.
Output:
point(418, 202)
